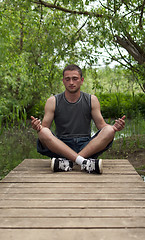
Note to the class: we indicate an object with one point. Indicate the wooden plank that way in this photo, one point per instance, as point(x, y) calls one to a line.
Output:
point(38, 173)
point(71, 234)
point(66, 190)
point(73, 173)
point(71, 223)
point(80, 179)
point(71, 197)
point(75, 185)
point(71, 213)
point(71, 204)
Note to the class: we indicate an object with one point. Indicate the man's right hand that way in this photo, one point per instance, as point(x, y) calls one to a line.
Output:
point(36, 123)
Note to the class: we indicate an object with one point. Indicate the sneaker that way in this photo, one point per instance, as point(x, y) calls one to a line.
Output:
point(92, 165)
point(61, 164)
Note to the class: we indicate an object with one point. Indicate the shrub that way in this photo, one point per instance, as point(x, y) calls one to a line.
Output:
point(114, 105)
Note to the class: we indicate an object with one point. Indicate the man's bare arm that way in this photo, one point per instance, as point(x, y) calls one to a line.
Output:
point(96, 113)
point(48, 116)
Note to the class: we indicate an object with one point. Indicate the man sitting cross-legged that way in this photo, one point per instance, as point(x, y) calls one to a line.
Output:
point(72, 112)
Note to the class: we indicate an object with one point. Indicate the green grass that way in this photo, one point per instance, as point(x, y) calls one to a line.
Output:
point(125, 147)
point(16, 145)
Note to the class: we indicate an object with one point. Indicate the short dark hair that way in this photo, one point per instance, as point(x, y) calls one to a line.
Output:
point(73, 67)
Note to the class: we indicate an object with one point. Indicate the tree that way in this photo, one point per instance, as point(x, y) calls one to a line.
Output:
point(113, 25)
point(35, 42)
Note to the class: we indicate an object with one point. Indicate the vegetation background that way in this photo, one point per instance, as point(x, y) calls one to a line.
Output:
point(38, 38)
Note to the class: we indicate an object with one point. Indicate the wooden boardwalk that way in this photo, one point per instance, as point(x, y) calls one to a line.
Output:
point(36, 204)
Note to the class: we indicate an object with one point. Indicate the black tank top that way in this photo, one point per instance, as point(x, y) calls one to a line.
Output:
point(73, 119)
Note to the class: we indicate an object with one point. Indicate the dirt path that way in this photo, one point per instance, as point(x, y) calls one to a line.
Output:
point(137, 159)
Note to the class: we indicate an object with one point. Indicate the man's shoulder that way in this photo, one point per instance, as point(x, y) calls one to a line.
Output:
point(94, 101)
point(51, 99)
point(54, 98)
point(94, 97)
point(50, 103)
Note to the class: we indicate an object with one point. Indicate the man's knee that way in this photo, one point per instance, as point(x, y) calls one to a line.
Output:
point(45, 134)
point(108, 131)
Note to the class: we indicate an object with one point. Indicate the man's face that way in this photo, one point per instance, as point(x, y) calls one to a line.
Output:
point(72, 81)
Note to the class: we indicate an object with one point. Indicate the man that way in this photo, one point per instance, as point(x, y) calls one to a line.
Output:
point(72, 112)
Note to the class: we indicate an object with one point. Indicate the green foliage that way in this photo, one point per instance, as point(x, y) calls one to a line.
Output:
point(111, 80)
point(116, 105)
point(34, 44)
point(37, 42)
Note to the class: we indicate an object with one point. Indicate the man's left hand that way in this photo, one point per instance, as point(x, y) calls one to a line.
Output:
point(119, 124)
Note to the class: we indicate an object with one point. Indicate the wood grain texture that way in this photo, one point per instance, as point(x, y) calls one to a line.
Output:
point(38, 204)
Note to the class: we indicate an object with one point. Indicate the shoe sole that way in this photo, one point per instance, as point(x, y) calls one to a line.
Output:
point(52, 164)
point(101, 166)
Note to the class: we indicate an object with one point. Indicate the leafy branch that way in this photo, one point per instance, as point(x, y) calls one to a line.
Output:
point(54, 6)
point(133, 49)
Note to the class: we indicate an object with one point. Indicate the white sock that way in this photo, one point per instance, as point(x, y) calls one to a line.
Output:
point(79, 160)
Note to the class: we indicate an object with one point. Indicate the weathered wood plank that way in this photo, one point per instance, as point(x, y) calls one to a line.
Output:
point(41, 173)
point(66, 190)
point(71, 213)
point(71, 204)
point(77, 223)
point(78, 197)
point(80, 179)
point(71, 234)
point(73, 185)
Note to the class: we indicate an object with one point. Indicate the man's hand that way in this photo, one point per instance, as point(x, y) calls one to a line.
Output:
point(36, 124)
point(119, 124)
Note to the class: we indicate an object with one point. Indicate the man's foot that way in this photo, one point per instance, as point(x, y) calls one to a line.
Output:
point(92, 165)
point(61, 164)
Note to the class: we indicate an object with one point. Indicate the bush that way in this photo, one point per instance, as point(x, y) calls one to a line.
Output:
point(114, 105)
